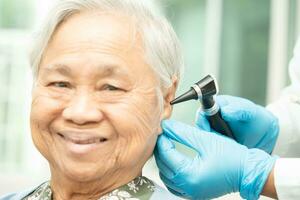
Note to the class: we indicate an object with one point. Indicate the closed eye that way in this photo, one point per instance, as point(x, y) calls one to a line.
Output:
point(60, 84)
point(111, 88)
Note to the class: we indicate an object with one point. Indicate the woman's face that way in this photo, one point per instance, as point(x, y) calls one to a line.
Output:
point(95, 109)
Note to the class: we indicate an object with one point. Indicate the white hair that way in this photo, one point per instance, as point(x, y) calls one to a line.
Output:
point(162, 49)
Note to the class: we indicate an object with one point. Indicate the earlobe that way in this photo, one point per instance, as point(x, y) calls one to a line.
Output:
point(168, 97)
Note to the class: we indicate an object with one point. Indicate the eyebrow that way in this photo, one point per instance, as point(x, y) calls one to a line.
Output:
point(104, 70)
point(60, 68)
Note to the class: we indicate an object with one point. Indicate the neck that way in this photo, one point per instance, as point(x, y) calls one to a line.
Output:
point(67, 188)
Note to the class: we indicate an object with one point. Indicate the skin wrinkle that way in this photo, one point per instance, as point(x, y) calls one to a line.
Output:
point(129, 118)
point(134, 36)
point(66, 71)
point(130, 24)
point(122, 17)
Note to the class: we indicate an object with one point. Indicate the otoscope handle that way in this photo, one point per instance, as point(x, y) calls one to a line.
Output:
point(219, 125)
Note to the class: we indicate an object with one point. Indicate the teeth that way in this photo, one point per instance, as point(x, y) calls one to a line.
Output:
point(84, 141)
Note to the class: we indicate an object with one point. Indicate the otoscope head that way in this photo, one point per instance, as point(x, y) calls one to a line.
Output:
point(206, 88)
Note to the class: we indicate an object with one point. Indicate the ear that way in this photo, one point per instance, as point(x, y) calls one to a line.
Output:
point(169, 95)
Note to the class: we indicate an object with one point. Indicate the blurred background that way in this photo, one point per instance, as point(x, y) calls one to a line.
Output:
point(245, 44)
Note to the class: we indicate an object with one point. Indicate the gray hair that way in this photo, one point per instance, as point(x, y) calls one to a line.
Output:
point(162, 49)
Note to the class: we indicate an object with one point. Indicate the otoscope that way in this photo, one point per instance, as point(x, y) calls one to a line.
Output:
point(205, 90)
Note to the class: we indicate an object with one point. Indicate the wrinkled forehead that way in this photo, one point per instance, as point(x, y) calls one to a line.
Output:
point(112, 36)
point(86, 28)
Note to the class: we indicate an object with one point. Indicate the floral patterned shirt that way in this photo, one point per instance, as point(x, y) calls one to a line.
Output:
point(141, 188)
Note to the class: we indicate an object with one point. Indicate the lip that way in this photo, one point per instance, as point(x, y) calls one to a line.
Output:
point(81, 142)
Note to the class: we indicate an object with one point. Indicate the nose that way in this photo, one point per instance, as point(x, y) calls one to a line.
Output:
point(82, 109)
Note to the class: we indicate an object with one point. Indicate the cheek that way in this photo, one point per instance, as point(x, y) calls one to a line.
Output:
point(137, 115)
point(48, 102)
point(136, 121)
point(44, 109)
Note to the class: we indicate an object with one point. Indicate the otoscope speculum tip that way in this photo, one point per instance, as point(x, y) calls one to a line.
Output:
point(189, 95)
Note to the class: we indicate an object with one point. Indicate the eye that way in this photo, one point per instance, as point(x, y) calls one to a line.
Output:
point(60, 84)
point(111, 88)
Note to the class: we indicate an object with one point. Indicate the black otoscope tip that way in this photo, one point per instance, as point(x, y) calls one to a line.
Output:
point(189, 95)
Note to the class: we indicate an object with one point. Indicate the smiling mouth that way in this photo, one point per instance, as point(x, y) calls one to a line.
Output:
point(83, 141)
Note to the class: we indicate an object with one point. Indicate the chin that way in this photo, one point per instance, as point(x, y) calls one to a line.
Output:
point(88, 170)
point(84, 173)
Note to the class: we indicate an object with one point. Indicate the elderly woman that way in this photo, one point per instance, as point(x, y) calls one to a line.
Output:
point(104, 73)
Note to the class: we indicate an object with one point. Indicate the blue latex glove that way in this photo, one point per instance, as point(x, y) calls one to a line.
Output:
point(252, 125)
point(221, 165)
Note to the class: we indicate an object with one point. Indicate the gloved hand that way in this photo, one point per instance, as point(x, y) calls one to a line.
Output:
point(221, 165)
point(252, 125)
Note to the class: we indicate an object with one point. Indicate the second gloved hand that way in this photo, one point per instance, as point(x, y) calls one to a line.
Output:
point(221, 165)
point(252, 125)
